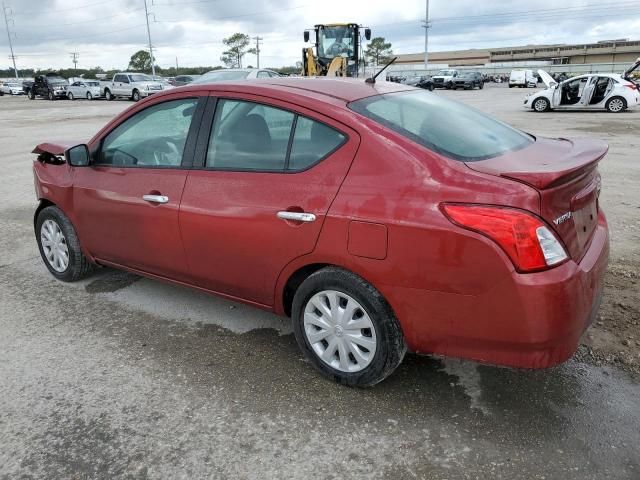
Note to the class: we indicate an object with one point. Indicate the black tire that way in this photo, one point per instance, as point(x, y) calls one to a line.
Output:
point(510, 86)
point(618, 101)
point(540, 104)
point(51, 96)
point(481, 85)
point(390, 347)
point(79, 266)
point(31, 94)
point(89, 96)
point(1, 93)
point(107, 94)
point(70, 96)
point(135, 96)
point(431, 88)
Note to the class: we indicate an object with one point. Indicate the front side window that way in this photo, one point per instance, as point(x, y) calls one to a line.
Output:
point(445, 126)
point(249, 136)
point(154, 137)
point(263, 74)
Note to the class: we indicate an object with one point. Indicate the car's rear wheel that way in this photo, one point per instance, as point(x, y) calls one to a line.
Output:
point(70, 96)
point(107, 94)
point(31, 94)
point(541, 105)
point(59, 246)
point(89, 96)
point(481, 85)
point(135, 96)
point(616, 105)
point(346, 328)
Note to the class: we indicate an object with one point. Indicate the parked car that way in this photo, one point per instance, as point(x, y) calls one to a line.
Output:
point(522, 78)
point(88, 89)
point(182, 80)
point(52, 87)
point(445, 78)
point(468, 80)
point(11, 88)
point(380, 217)
point(426, 82)
point(594, 91)
point(230, 74)
point(131, 85)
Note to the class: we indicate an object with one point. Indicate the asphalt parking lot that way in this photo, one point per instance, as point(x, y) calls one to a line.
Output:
point(123, 377)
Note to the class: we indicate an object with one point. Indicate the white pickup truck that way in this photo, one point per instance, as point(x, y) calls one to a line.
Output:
point(445, 78)
point(130, 85)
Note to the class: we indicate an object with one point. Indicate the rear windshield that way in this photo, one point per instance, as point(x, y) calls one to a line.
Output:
point(445, 126)
point(222, 76)
point(141, 78)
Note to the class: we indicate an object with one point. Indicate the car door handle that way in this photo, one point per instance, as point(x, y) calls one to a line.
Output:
point(297, 216)
point(156, 198)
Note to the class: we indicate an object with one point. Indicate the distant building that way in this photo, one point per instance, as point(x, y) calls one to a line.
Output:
point(608, 51)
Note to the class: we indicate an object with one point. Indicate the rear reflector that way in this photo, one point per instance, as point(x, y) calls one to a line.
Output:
point(525, 238)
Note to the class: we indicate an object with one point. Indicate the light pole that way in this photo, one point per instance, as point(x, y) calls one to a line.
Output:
point(426, 36)
point(6, 22)
point(146, 14)
point(257, 39)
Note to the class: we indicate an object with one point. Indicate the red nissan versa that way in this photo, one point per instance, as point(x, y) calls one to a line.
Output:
point(380, 217)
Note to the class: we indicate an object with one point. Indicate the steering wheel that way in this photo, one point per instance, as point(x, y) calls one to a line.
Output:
point(170, 156)
point(337, 48)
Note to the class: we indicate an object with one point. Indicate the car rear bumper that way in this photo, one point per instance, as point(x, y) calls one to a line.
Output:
point(528, 320)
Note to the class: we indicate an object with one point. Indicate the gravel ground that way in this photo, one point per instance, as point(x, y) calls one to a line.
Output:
point(123, 377)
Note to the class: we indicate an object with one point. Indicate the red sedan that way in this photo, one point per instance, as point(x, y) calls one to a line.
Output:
point(379, 217)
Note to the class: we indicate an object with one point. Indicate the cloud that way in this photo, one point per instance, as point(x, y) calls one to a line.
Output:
point(108, 32)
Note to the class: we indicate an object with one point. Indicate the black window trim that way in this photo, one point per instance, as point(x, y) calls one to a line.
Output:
point(189, 146)
point(202, 143)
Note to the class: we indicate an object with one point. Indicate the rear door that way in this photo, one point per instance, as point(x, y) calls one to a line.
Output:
point(127, 201)
point(267, 174)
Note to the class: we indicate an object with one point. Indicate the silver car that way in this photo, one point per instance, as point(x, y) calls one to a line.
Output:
point(230, 74)
point(88, 89)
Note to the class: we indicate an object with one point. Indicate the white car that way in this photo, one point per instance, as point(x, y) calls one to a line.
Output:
point(522, 78)
point(598, 91)
point(231, 74)
point(444, 78)
point(88, 89)
point(11, 88)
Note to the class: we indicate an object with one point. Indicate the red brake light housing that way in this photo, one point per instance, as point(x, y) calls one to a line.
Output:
point(524, 237)
point(631, 85)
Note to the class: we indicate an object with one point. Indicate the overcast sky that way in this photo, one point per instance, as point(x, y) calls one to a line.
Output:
point(108, 32)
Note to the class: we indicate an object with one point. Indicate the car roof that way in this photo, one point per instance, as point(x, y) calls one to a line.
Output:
point(347, 89)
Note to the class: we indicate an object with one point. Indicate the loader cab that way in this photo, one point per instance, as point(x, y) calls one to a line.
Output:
point(338, 40)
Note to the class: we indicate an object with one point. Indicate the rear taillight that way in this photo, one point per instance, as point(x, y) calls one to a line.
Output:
point(525, 238)
point(632, 86)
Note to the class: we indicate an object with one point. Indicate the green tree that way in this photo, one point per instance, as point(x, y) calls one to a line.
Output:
point(378, 50)
point(236, 49)
point(141, 61)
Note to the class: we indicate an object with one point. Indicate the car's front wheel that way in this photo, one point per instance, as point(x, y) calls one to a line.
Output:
point(136, 96)
point(108, 95)
point(616, 105)
point(51, 96)
point(541, 105)
point(70, 96)
point(89, 96)
point(31, 94)
point(346, 328)
point(59, 246)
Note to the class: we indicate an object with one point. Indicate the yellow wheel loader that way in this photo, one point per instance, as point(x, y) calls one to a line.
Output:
point(337, 50)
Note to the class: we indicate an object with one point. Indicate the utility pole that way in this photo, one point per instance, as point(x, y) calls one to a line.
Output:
point(74, 59)
point(6, 22)
point(146, 14)
point(258, 39)
point(427, 26)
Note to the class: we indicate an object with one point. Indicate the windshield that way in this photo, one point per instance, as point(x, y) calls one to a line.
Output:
point(336, 41)
point(56, 80)
point(139, 77)
point(222, 75)
point(446, 73)
point(11, 84)
point(445, 126)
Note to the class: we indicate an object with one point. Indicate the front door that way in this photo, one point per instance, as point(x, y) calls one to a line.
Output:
point(588, 91)
point(127, 201)
point(267, 178)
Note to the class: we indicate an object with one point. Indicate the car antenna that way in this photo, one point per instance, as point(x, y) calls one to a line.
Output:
point(373, 79)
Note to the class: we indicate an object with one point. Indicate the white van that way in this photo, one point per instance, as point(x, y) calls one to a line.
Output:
point(522, 78)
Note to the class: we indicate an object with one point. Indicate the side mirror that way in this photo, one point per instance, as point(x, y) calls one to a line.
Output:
point(78, 156)
point(367, 33)
point(306, 36)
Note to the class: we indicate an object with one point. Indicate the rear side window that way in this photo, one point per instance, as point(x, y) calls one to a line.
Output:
point(444, 126)
point(249, 136)
point(312, 141)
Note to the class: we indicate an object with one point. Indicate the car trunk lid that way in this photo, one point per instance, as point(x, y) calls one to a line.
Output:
point(565, 175)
